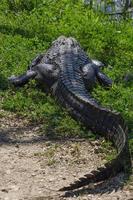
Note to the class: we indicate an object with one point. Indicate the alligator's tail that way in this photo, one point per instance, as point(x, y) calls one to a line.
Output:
point(121, 163)
point(110, 124)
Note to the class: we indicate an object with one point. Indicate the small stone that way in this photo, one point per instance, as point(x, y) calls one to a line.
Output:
point(33, 174)
point(17, 146)
point(4, 190)
point(51, 179)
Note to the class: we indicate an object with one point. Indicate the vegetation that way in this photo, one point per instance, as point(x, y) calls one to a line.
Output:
point(28, 27)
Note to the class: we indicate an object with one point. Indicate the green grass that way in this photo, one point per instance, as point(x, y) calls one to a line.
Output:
point(27, 28)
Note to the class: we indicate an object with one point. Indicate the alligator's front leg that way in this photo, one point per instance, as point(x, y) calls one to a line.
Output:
point(30, 74)
point(91, 73)
point(42, 72)
point(103, 79)
point(22, 79)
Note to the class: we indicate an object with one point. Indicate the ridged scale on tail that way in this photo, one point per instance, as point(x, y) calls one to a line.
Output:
point(72, 94)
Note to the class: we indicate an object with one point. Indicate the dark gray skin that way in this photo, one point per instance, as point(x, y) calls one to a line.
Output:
point(42, 70)
point(48, 74)
point(70, 74)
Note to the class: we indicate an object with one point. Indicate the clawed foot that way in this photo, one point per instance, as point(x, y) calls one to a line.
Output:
point(22, 79)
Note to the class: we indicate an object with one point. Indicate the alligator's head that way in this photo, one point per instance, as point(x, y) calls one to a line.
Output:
point(59, 47)
point(65, 43)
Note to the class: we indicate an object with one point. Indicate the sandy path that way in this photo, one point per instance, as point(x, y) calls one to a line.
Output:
point(33, 167)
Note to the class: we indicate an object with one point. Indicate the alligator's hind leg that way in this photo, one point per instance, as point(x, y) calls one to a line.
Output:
point(103, 79)
point(22, 79)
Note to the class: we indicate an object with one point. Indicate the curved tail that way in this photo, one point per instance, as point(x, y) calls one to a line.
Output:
point(121, 163)
point(101, 120)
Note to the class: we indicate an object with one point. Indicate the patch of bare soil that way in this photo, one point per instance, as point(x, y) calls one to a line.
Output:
point(34, 167)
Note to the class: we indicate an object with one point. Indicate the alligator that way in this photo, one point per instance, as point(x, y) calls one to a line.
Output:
point(69, 74)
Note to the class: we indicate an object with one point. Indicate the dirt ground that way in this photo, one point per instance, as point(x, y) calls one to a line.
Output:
point(34, 167)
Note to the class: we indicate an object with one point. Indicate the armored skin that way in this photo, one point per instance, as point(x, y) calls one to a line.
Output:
point(70, 75)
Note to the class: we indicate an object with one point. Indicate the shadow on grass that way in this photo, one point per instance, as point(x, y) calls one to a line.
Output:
point(23, 135)
point(10, 30)
point(3, 82)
